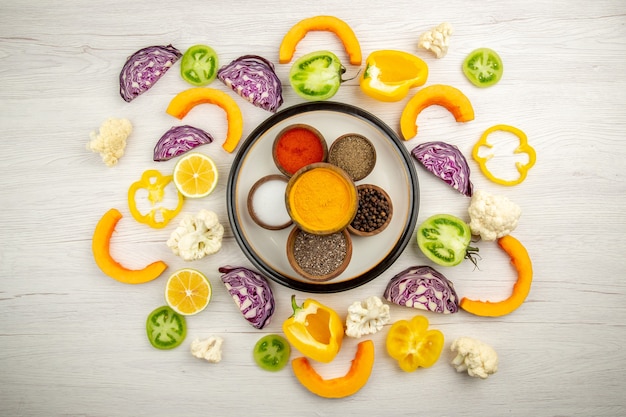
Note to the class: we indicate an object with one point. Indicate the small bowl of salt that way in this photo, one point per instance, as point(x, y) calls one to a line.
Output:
point(266, 202)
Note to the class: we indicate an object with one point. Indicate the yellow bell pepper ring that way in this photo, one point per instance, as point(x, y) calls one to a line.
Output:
point(155, 186)
point(523, 147)
point(413, 345)
point(314, 329)
point(390, 74)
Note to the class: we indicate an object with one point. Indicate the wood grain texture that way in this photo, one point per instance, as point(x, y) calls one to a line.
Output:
point(72, 340)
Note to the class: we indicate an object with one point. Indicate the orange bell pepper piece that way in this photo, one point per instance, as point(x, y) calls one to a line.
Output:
point(522, 263)
point(523, 147)
point(320, 23)
point(343, 386)
point(437, 94)
point(186, 100)
point(100, 246)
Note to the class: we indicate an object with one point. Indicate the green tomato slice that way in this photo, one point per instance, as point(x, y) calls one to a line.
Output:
point(316, 76)
point(444, 239)
point(483, 67)
point(166, 329)
point(198, 66)
point(272, 352)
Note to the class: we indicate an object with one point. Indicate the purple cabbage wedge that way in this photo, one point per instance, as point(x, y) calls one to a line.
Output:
point(447, 163)
point(424, 288)
point(144, 68)
point(253, 78)
point(178, 140)
point(251, 293)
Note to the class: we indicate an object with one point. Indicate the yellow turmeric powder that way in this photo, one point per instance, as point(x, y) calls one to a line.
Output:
point(322, 199)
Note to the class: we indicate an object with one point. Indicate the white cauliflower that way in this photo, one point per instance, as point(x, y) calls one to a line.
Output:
point(209, 349)
point(366, 317)
point(436, 40)
point(492, 216)
point(477, 358)
point(110, 142)
point(197, 236)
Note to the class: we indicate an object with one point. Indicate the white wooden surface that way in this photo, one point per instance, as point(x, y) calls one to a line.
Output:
point(72, 341)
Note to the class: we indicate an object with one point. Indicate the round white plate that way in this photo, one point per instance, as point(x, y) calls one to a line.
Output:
point(394, 172)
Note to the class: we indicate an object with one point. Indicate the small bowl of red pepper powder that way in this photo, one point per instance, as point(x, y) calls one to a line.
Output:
point(297, 146)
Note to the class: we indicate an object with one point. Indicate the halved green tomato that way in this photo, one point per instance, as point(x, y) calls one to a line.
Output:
point(483, 67)
point(444, 239)
point(166, 329)
point(198, 66)
point(317, 75)
point(272, 352)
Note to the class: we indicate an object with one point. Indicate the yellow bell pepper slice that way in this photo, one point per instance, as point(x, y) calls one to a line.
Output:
point(413, 345)
point(154, 183)
point(523, 147)
point(320, 23)
point(390, 74)
point(186, 100)
point(314, 329)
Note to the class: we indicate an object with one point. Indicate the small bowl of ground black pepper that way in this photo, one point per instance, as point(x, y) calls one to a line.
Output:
point(353, 153)
point(297, 146)
point(374, 212)
point(319, 258)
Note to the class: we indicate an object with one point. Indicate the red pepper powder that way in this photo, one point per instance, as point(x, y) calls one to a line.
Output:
point(297, 148)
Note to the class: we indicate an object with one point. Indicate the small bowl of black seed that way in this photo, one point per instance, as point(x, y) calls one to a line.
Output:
point(374, 212)
point(319, 258)
point(353, 153)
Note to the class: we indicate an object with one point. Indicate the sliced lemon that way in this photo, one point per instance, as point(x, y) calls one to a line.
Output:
point(188, 291)
point(195, 175)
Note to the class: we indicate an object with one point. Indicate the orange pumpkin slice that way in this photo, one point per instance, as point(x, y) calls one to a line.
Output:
point(186, 100)
point(343, 386)
point(320, 23)
point(437, 94)
point(100, 245)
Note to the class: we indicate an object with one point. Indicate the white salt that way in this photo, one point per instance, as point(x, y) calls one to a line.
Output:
point(268, 203)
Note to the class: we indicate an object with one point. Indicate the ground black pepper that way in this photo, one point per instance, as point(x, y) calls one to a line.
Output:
point(354, 154)
point(319, 255)
point(373, 211)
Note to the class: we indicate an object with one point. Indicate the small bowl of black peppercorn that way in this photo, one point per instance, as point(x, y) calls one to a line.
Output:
point(374, 212)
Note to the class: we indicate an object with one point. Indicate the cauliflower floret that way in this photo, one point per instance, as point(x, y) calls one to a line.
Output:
point(110, 142)
point(209, 349)
point(492, 216)
point(436, 40)
point(477, 358)
point(366, 317)
point(197, 236)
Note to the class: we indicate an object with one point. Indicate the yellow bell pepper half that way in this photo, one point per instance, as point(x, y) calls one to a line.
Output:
point(523, 147)
point(315, 330)
point(389, 74)
point(154, 185)
point(413, 345)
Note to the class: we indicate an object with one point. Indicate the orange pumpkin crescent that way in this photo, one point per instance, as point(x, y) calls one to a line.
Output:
point(186, 100)
point(100, 246)
point(440, 94)
point(343, 386)
point(320, 23)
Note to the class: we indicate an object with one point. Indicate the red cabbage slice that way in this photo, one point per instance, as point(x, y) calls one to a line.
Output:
point(251, 293)
point(254, 79)
point(424, 288)
point(144, 68)
point(447, 163)
point(178, 140)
